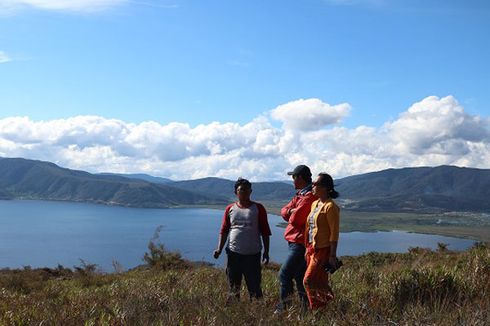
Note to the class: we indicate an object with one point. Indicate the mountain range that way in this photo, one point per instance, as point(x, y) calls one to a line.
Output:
point(442, 188)
point(28, 179)
point(421, 189)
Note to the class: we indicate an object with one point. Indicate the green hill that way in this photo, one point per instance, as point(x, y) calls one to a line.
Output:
point(421, 190)
point(28, 179)
point(428, 189)
point(141, 176)
point(262, 191)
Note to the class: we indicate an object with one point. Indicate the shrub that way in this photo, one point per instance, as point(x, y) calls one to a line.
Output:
point(159, 257)
point(27, 280)
point(426, 286)
point(442, 247)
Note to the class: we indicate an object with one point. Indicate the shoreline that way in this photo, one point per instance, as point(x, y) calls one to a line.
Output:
point(463, 225)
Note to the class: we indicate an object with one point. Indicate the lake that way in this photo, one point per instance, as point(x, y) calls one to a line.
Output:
point(45, 234)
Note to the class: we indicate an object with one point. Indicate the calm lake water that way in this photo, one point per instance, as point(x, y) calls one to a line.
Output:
point(42, 233)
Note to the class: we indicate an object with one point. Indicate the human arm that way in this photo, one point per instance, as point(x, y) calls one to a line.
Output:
point(221, 244)
point(287, 210)
point(332, 258)
point(302, 210)
point(333, 223)
point(223, 235)
point(265, 231)
point(265, 256)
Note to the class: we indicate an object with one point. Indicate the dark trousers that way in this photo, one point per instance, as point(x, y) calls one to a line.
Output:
point(293, 269)
point(238, 265)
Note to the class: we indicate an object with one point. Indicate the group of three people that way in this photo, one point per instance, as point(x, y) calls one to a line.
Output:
point(312, 234)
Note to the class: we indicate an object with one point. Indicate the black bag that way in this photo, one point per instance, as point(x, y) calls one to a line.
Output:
point(331, 269)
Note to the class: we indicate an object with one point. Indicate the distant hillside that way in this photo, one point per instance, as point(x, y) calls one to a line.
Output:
point(425, 189)
point(5, 195)
point(28, 179)
point(418, 189)
point(141, 176)
point(261, 191)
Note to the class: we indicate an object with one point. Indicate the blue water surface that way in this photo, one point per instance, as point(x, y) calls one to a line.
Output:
point(45, 234)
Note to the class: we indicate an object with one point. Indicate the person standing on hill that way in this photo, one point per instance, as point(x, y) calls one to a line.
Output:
point(322, 235)
point(244, 224)
point(295, 213)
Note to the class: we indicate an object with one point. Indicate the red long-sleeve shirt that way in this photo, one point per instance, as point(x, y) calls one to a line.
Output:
point(296, 221)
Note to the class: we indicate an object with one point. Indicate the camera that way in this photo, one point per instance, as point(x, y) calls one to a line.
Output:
point(331, 269)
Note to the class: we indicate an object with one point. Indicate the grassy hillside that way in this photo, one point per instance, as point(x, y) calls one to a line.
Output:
point(262, 191)
point(426, 189)
point(28, 179)
point(421, 190)
point(420, 287)
point(141, 176)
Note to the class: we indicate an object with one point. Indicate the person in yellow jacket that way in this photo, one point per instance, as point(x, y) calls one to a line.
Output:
point(321, 237)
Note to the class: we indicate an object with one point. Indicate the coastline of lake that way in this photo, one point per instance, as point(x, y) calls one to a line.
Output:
point(464, 225)
point(42, 233)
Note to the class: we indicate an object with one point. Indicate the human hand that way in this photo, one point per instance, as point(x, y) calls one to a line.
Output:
point(216, 253)
point(265, 258)
point(333, 264)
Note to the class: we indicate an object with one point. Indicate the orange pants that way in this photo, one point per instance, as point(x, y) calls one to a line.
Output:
point(315, 281)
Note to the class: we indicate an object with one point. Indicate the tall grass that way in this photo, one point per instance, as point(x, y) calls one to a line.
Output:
point(421, 287)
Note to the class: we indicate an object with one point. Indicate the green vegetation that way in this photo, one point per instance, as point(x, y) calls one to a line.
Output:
point(416, 190)
point(457, 224)
point(416, 288)
point(28, 179)
point(421, 189)
point(469, 225)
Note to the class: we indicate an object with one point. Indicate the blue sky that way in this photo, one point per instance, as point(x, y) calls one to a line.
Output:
point(198, 62)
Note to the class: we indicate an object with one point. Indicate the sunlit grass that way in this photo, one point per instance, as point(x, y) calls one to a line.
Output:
point(419, 287)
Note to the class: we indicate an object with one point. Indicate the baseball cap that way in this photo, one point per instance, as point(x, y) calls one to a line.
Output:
point(301, 170)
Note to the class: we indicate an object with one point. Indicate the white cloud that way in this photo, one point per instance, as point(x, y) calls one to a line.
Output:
point(431, 132)
point(436, 125)
point(4, 57)
point(61, 5)
point(309, 114)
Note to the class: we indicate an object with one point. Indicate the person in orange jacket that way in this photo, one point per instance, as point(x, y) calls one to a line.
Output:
point(295, 213)
point(321, 237)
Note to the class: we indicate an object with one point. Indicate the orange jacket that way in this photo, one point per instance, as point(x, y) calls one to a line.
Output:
point(326, 227)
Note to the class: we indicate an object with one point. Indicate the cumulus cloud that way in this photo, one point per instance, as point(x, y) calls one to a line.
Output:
point(436, 125)
point(4, 57)
point(431, 132)
point(309, 114)
point(61, 5)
